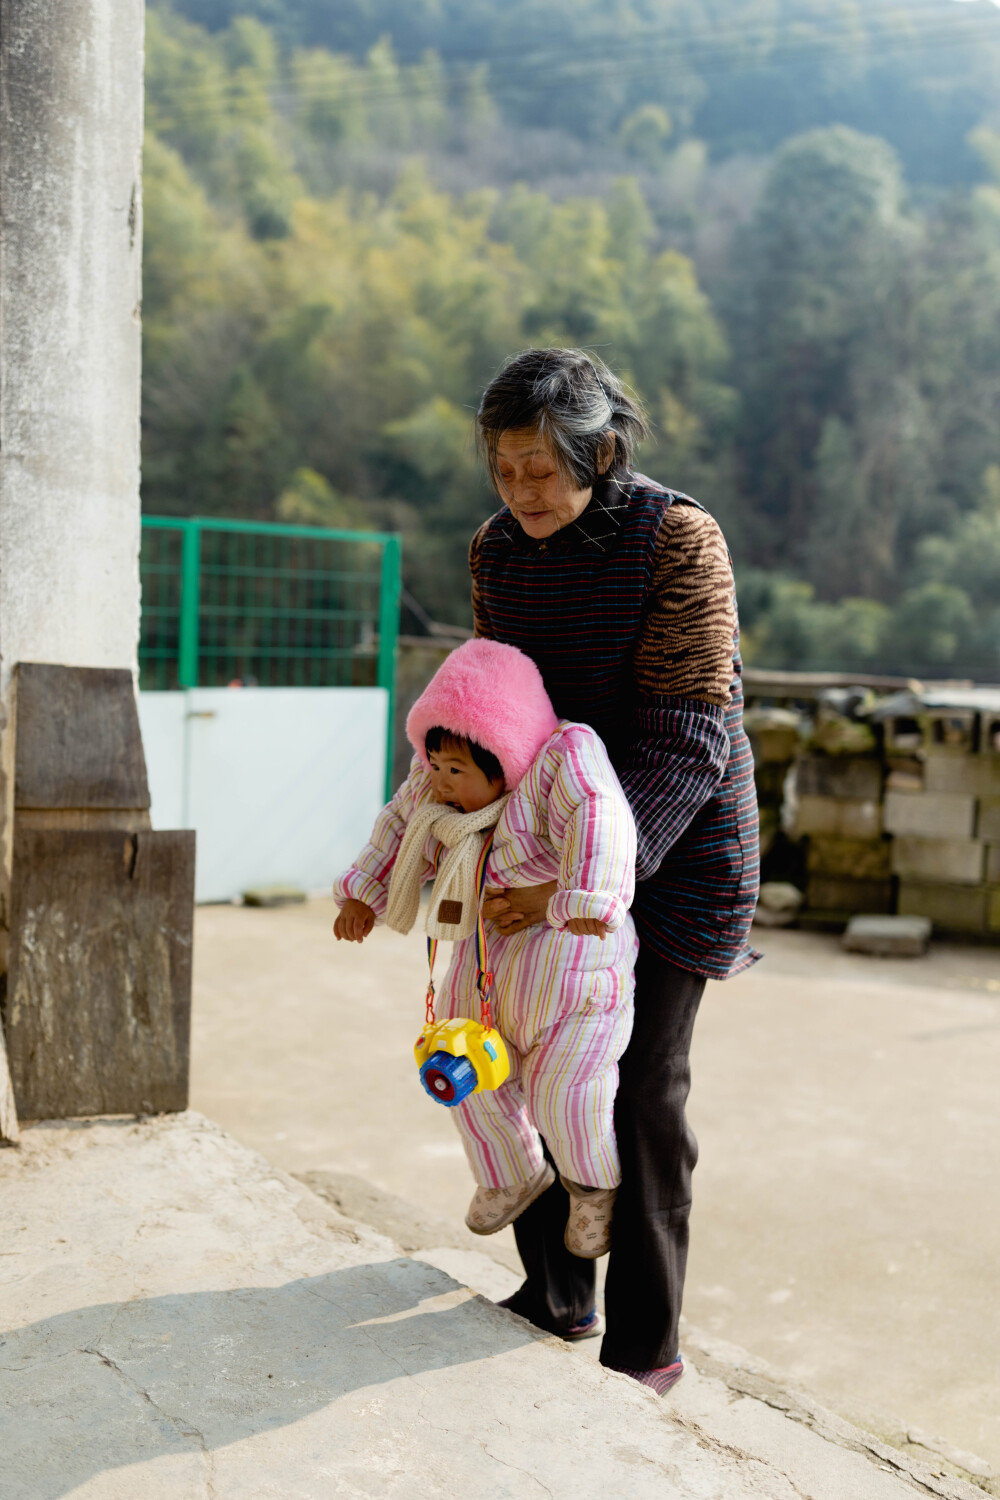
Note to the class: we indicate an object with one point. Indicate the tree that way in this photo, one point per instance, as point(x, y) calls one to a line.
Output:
point(820, 319)
point(325, 299)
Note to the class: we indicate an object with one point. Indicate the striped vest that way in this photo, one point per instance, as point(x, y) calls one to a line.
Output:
point(574, 604)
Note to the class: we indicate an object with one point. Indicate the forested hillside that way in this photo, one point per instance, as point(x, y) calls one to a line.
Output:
point(780, 221)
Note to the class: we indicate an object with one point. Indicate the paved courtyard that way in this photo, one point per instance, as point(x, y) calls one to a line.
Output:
point(847, 1222)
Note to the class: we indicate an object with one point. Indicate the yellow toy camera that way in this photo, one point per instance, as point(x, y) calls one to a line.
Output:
point(457, 1058)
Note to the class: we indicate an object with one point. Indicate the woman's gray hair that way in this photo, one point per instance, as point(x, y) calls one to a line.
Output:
point(573, 401)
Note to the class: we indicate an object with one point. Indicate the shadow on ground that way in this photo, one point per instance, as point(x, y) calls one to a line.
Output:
point(193, 1372)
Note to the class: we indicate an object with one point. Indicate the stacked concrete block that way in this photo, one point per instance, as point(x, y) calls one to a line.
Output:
point(838, 808)
point(894, 807)
point(929, 815)
point(971, 775)
point(843, 817)
point(849, 875)
point(775, 739)
point(953, 861)
point(953, 908)
point(946, 836)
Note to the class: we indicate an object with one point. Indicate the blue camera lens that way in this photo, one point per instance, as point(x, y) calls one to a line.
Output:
point(448, 1079)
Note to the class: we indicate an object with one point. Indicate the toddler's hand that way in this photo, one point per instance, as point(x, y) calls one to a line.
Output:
point(587, 927)
point(354, 922)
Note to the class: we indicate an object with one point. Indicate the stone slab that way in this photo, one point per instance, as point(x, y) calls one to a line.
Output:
point(958, 861)
point(930, 815)
point(888, 937)
point(993, 864)
point(838, 817)
point(184, 1320)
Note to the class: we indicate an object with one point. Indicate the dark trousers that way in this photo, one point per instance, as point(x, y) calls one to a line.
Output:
point(649, 1245)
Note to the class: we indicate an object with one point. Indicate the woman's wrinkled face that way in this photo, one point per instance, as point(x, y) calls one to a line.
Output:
point(540, 497)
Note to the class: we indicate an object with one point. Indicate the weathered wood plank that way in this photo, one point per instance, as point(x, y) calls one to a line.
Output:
point(78, 739)
point(127, 818)
point(9, 1133)
point(98, 1006)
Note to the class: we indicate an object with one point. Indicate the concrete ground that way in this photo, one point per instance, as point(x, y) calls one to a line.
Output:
point(182, 1320)
point(847, 1222)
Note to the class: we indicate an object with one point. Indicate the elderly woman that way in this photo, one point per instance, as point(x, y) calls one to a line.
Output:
point(622, 593)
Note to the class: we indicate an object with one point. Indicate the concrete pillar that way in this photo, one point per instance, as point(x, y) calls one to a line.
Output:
point(70, 250)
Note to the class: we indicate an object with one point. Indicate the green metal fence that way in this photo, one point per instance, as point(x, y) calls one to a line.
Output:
point(272, 606)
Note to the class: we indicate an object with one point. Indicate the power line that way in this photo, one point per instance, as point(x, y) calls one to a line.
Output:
point(753, 32)
point(633, 57)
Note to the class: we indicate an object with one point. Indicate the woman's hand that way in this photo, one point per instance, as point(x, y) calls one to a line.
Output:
point(587, 927)
point(354, 922)
point(522, 907)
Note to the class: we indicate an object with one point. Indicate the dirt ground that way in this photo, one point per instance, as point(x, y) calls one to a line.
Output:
point(847, 1201)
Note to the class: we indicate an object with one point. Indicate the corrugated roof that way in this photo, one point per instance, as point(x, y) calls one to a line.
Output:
point(982, 700)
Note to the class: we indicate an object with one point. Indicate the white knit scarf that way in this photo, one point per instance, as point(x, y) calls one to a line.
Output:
point(454, 896)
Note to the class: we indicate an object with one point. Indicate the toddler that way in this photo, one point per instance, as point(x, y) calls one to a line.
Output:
point(490, 753)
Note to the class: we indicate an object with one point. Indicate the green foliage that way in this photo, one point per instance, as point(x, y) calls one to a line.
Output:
point(329, 284)
point(323, 364)
point(645, 132)
point(946, 623)
point(310, 500)
point(785, 627)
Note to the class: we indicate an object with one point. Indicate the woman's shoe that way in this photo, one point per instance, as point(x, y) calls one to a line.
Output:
point(588, 1228)
point(493, 1209)
point(660, 1380)
point(590, 1327)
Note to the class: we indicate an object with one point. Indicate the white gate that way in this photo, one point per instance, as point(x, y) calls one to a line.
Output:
point(281, 784)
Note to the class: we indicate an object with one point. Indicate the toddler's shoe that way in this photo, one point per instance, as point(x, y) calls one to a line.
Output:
point(493, 1209)
point(588, 1228)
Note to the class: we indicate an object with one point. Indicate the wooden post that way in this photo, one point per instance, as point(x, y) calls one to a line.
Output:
point(98, 998)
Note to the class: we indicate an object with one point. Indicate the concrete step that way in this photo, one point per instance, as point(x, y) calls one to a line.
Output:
point(719, 1376)
point(187, 1321)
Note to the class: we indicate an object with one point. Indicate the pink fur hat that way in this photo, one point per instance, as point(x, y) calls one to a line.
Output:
point(492, 694)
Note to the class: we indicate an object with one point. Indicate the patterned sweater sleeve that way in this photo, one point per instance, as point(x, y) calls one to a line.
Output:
point(368, 878)
point(593, 832)
point(683, 668)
